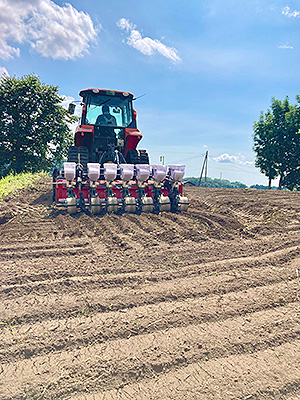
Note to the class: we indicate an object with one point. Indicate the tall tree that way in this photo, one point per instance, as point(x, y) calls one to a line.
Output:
point(277, 142)
point(34, 127)
point(291, 177)
point(265, 147)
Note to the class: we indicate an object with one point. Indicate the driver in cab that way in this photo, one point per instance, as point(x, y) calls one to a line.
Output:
point(106, 118)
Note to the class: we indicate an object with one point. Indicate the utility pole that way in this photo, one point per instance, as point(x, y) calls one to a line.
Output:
point(205, 170)
point(162, 160)
point(204, 166)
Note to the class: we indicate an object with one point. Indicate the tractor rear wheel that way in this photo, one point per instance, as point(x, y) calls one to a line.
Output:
point(55, 174)
point(132, 157)
point(137, 157)
point(79, 153)
point(73, 154)
point(84, 156)
point(144, 158)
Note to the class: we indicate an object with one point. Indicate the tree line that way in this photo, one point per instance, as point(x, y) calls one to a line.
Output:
point(224, 183)
point(277, 143)
point(216, 183)
point(34, 127)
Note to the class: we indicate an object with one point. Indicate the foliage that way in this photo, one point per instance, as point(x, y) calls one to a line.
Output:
point(262, 187)
point(216, 183)
point(277, 143)
point(292, 179)
point(34, 127)
point(12, 183)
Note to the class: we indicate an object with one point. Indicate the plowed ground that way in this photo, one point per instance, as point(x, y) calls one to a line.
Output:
point(199, 305)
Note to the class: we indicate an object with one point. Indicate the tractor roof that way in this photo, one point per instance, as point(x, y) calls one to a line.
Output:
point(106, 92)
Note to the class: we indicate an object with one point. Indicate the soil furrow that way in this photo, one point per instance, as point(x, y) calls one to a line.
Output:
point(235, 266)
point(13, 272)
point(283, 392)
point(41, 247)
point(68, 333)
point(145, 356)
point(235, 377)
point(80, 299)
point(56, 252)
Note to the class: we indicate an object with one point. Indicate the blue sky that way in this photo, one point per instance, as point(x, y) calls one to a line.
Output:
point(207, 68)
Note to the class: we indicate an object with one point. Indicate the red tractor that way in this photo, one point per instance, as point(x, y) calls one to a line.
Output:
point(105, 171)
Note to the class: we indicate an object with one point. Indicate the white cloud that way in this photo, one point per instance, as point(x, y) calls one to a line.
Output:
point(227, 159)
point(287, 11)
point(286, 46)
point(125, 25)
point(146, 45)
point(3, 72)
point(52, 30)
point(12, 26)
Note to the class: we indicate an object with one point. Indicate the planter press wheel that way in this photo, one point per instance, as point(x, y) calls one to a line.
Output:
point(95, 205)
point(164, 203)
point(147, 204)
point(71, 205)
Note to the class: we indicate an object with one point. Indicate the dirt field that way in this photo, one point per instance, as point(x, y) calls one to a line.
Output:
point(201, 305)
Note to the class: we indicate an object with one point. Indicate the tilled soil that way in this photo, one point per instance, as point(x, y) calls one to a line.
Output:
point(198, 305)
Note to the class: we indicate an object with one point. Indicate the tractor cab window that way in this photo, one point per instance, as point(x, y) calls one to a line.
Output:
point(107, 111)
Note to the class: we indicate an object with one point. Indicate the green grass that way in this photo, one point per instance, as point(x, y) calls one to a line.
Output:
point(13, 183)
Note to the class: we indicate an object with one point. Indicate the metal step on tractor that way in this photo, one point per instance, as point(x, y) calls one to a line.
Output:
point(105, 171)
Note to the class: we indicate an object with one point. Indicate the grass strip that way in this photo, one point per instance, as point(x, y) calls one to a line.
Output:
point(14, 182)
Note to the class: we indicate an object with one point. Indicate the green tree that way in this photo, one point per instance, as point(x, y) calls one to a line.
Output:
point(276, 142)
point(264, 146)
point(34, 127)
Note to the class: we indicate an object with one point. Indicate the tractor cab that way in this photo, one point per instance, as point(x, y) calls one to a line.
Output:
point(107, 109)
point(108, 124)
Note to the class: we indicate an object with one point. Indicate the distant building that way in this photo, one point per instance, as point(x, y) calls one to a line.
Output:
point(188, 184)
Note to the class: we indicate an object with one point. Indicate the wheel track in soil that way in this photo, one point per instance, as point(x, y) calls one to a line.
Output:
point(94, 326)
point(165, 255)
point(177, 348)
point(118, 296)
point(219, 379)
point(152, 306)
point(37, 282)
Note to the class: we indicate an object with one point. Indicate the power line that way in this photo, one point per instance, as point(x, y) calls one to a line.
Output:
point(227, 169)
